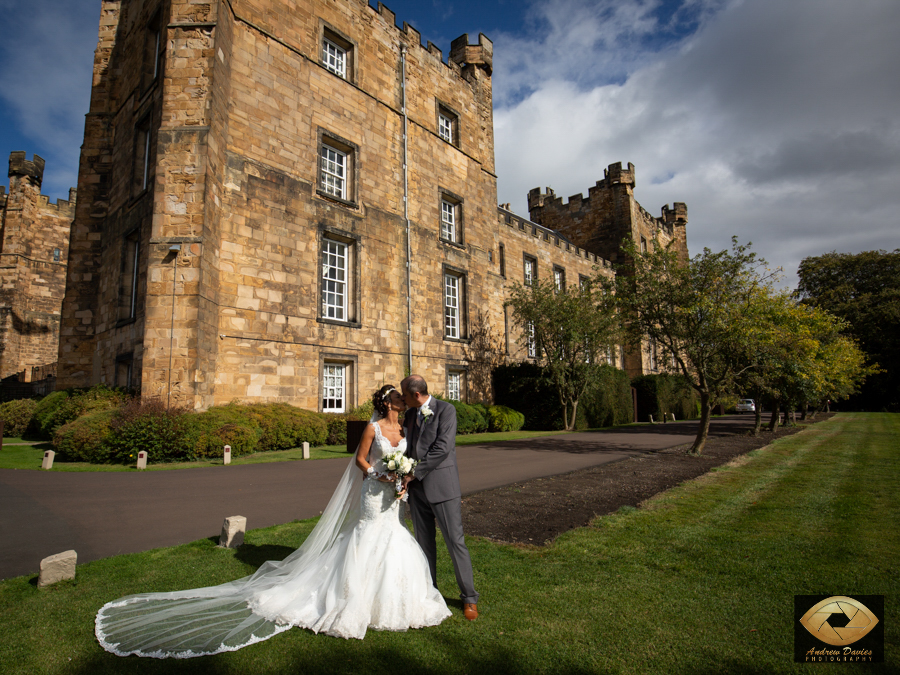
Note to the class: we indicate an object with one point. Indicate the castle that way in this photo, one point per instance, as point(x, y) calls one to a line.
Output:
point(34, 246)
point(298, 202)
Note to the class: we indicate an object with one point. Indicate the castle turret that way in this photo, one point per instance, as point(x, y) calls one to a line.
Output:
point(473, 56)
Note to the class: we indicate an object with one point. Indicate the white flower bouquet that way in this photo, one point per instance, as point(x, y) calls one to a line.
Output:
point(398, 465)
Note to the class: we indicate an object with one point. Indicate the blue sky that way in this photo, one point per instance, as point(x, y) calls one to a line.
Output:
point(774, 121)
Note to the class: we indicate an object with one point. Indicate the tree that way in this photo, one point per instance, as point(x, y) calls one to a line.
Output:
point(702, 311)
point(862, 289)
point(484, 353)
point(569, 331)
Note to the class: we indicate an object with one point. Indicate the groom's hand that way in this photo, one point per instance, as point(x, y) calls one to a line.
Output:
point(407, 480)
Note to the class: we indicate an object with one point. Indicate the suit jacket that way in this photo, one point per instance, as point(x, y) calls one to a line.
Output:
point(436, 451)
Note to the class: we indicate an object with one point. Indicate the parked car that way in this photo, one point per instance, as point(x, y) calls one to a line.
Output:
point(746, 405)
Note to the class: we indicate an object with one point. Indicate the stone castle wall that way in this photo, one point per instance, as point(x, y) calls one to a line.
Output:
point(34, 247)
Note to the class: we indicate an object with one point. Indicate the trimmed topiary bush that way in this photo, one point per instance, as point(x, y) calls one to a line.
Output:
point(207, 433)
point(62, 407)
point(284, 426)
point(503, 418)
point(16, 416)
point(337, 428)
point(469, 418)
point(146, 425)
point(82, 440)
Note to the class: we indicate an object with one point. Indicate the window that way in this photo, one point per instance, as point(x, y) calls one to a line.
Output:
point(142, 167)
point(337, 52)
point(530, 270)
point(56, 254)
point(454, 386)
point(643, 245)
point(334, 280)
point(530, 342)
point(128, 280)
point(124, 370)
point(334, 387)
point(651, 349)
point(153, 43)
point(447, 124)
point(337, 170)
point(334, 172)
point(451, 218)
point(502, 256)
point(452, 285)
point(559, 279)
point(584, 283)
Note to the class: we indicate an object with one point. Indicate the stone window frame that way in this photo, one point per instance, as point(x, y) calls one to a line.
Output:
point(643, 245)
point(352, 242)
point(584, 281)
point(350, 150)
point(456, 203)
point(330, 34)
point(501, 255)
point(528, 258)
point(456, 371)
point(126, 361)
point(441, 109)
point(129, 277)
point(531, 350)
point(350, 364)
point(142, 170)
point(462, 303)
point(559, 275)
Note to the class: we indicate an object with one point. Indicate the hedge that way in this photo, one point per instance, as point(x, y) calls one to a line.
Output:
point(146, 425)
point(82, 440)
point(526, 387)
point(503, 418)
point(16, 416)
point(64, 406)
point(661, 394)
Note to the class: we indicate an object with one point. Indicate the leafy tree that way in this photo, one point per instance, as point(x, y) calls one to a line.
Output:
point(863, 289)
point(702, 311)
point(571, 330)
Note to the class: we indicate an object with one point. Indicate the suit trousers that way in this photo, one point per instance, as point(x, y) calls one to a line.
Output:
point(449, 518)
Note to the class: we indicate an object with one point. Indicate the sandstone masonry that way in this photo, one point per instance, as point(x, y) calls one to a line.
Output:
point(289, 201)
point(34, 245)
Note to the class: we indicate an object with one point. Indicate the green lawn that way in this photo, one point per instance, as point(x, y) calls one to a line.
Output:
point(16, 455)
point(699, 580)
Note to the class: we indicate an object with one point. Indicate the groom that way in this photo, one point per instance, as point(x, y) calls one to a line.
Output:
point(434, 492)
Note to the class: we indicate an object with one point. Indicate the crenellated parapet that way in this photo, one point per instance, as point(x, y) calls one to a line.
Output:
point(20, 166)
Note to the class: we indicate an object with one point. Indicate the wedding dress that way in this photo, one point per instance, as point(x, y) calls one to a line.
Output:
point(359, 568)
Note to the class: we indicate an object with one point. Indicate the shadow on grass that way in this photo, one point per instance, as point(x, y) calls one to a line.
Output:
point(254, 555)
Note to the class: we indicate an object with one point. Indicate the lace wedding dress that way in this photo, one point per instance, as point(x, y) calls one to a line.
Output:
point(359, 568)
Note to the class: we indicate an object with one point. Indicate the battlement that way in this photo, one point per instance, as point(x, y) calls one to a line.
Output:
point(464, 58)
point(61, 205)
point(19, 166)
point(614, 174)
point(677, 215)
point(545, 234)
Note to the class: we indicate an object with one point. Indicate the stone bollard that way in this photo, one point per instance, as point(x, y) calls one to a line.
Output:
point(651, 419)
point(233, 532)
point(673, 416)
point(305, 450)
point(57, 568)
point(142, 460)
point(48, 460)
point(228, 454)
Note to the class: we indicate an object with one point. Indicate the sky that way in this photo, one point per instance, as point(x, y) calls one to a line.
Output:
point(776, 122)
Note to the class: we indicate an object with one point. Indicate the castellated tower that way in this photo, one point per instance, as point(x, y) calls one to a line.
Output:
point(33, 251)
point(609, 215)
point(601, 222)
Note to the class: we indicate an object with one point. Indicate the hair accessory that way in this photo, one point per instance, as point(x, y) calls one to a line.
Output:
point(385, 395)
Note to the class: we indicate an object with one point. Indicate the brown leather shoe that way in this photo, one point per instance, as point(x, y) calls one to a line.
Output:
point(470, 611)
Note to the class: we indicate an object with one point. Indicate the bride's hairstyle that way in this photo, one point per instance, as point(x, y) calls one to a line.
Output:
point(380, 399)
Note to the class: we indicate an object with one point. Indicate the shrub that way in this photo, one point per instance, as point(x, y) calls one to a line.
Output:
point(16, 416)
point(82, 440)
point(337, 428)
point(469, 418)
point(503, 418)
point(661, 394)
point(146, 425)
point(284, 426)
point(62, 407)
point(526, 388)
point(207, 433)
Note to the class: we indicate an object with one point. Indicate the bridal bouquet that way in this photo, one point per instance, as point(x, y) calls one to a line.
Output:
point(400, 465)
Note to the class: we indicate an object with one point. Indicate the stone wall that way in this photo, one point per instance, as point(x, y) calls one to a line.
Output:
point(33, 251)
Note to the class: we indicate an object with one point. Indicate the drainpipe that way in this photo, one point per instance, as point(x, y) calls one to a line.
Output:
point(406, 209)
point(176, 248)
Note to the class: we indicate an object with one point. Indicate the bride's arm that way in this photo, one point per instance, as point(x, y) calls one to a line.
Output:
point(363, 450)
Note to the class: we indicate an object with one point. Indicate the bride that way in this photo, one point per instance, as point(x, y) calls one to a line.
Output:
point(359, 568)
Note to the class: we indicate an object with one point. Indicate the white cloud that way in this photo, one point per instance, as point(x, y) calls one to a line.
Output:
point(774, 121)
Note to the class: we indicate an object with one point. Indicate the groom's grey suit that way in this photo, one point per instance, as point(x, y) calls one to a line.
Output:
point(435, 494)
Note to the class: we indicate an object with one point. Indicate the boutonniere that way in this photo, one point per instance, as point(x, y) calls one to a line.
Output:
point(427, 413)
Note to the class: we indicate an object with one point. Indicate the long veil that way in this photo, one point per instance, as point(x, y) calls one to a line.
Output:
point(214, 619)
